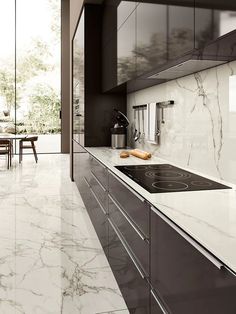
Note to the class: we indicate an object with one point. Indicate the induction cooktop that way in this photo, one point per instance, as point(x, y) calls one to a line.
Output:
point(163, 178)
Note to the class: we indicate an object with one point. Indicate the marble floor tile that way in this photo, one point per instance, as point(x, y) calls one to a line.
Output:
point(51, 261)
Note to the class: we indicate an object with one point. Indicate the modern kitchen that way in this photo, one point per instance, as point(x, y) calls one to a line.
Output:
point(118, 157)
point(153, 148)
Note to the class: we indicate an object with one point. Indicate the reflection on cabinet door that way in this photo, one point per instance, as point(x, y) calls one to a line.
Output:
point(187, 281)
point(125, 8)
point(80, 164)
point(180, 30)
point(134, 288)
point(126, 66)
point(151, 36)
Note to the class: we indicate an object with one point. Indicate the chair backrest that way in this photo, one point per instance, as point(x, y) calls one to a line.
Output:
point(5, 142)
point(30, 139)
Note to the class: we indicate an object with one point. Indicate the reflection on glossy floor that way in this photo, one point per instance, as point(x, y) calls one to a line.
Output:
point(51, 261)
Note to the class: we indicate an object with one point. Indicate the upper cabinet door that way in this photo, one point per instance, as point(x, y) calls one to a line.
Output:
point(180, 29)
point(151, 47)
point(213, 19)
point(126, 66)
point(78, 83)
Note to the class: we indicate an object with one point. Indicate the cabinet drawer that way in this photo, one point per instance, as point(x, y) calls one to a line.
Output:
point(97, 216)
point(132, 235)
point(133, 286)
point(187, 279)
point(137, 209)
point(99, 171)
point(100, 192)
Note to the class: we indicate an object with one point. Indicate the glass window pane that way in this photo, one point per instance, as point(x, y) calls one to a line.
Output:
point(38, 57)
point(7, 66)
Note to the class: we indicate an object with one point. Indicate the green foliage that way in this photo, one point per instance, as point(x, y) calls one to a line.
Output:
point(43, 116)
point(7, 86)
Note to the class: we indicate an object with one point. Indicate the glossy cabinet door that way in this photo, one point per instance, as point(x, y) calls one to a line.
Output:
point(180, 30)
point(134, 237)
point(126, 58)
point(78, 82)
point(109, 45)
point(151, 44)
point(187, 281)
point(133, 286)
point(213, 20)
point(80, 164)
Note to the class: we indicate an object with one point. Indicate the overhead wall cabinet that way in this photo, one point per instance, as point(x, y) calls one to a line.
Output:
point(153, 35)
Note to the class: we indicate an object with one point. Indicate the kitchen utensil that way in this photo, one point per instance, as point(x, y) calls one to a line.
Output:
point(135, 129)
point(139, 133)
point(143, 134)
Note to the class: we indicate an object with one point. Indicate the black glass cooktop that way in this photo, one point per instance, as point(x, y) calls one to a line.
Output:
point(164, 178)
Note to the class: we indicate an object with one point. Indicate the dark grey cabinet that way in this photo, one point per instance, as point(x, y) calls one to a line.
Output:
point(187, 281)
point(131, 281)
point(213, 20)
point(159, 268)
point(78, 82)
point(93, 193)
point(155, 35)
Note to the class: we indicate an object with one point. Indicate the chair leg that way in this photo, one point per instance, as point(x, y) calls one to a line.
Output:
point(10, 154)
point(35, 154)
point(20, 153)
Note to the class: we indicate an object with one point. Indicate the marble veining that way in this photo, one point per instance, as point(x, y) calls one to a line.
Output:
point(51, 261)
point(199, 130)
point(208, 216)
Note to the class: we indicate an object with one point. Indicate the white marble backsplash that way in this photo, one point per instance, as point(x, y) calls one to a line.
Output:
point(200, 129)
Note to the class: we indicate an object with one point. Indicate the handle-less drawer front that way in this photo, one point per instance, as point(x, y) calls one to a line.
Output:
point(100, 171)
point(189, 279)
point(130, 278)
point(133, 236)
point(97, 215)
point(100, 192)
point(135, 206)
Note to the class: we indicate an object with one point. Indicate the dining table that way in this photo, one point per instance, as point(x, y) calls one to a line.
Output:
point(12, 137)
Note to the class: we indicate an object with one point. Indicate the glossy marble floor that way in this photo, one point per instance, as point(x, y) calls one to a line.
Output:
point(51, 261)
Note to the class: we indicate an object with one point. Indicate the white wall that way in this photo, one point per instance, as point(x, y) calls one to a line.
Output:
point(200, 129)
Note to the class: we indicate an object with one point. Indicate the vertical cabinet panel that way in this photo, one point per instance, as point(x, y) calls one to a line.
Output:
point(109, 45)
point(126, 61)
point(180, 30)
point(151, 47)
point(78, 83)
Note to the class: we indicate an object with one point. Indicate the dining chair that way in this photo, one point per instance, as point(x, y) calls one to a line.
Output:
point(6, 149)
point(28, 143)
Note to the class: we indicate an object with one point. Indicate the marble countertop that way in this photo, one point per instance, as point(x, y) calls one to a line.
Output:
point(208, 216)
